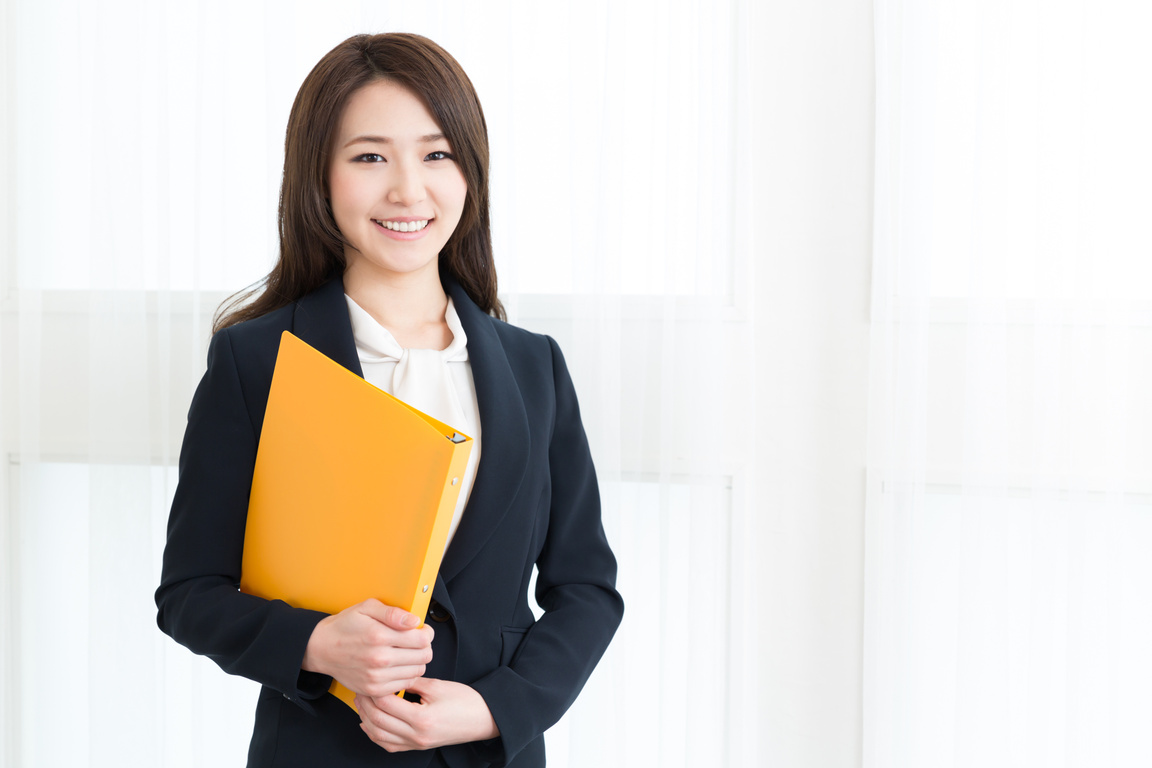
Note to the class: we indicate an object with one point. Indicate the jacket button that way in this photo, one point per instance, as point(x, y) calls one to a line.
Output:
point(436, 612)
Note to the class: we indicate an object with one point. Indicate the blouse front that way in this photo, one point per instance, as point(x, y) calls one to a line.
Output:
point(437, 382)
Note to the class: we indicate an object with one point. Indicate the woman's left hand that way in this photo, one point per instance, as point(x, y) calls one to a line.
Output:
point(448, 713)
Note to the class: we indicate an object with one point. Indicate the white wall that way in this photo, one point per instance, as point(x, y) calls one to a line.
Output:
point(813, 113)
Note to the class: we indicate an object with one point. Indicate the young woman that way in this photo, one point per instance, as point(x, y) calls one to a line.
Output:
point(386, 266)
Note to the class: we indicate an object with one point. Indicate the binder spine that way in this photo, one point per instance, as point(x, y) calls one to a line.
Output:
point(458, 462)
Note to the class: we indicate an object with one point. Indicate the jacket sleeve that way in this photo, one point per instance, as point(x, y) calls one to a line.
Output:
point(575, 586)
point(199, 602)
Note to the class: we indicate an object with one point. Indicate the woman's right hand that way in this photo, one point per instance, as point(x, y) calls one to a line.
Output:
point(371, 648)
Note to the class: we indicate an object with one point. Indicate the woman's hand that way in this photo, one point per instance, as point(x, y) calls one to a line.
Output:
point(371, 648)
point(447, 713)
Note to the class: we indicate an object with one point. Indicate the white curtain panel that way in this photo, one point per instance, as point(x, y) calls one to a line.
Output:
point(1008, 588)
point(141, 170)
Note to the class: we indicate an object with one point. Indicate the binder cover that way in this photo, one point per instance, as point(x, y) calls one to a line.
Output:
point(352, 495)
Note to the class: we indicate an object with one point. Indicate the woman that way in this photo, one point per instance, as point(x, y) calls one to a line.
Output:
point(386, 266)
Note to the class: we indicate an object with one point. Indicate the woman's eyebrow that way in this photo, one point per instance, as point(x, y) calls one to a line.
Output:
point(367, 139)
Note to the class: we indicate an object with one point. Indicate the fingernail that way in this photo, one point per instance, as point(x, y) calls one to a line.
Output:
point(411, 620)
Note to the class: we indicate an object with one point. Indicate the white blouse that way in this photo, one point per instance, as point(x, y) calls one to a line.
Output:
point(437, 382)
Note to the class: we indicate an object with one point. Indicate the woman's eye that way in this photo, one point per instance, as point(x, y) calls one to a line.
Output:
point(439, 155)
point(370, 157)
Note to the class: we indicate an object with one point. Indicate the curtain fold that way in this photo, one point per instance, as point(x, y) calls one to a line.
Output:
point(1009, 464)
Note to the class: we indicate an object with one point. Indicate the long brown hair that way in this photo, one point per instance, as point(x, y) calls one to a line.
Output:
point(311, 246)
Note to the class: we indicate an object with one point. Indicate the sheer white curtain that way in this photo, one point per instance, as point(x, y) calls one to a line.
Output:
point(143, 150)
point(1008, 588)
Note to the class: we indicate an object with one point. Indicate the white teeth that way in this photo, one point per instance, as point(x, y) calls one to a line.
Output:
point(403, 226)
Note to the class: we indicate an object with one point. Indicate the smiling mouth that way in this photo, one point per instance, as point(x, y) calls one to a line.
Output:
point(403, 226)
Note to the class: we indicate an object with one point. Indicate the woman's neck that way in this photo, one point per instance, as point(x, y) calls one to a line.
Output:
point(410, 305)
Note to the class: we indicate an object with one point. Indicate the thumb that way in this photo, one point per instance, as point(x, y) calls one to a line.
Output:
point(424, 687)
point(396, 618)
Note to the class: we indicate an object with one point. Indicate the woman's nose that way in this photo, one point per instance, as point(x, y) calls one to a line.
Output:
point(407, 186)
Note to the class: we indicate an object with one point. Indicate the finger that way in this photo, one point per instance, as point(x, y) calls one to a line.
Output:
point(424, 687)
point(396, 618)
point(400, 709)
point(377, 716)
point(390, 684)
point(382, 737)
point(413, 638)
point(365, 705)
point(389, 742)
point(380, 660)
point(372, 715)
point(402, 676)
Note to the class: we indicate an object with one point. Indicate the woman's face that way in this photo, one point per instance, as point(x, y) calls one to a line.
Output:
point(395, 190)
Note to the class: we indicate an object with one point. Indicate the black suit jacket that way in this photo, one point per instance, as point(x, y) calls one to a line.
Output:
point(534, 502)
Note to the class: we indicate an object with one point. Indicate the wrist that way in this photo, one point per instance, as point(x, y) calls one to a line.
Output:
point(486, 727)
point(314, 653)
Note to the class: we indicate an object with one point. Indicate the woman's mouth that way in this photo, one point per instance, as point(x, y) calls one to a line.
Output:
point(403, 226)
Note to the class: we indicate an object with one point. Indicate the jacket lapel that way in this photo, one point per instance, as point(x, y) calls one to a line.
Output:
point(504, 435)
point(321, 319)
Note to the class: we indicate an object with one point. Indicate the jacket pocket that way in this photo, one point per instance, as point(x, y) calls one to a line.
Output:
point(510, 639)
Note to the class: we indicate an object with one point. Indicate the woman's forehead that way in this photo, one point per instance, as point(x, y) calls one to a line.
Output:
point(389, 112)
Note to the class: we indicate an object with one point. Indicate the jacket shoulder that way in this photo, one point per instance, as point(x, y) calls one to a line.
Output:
point(250, 347)
point(254, 343)
point(515, 336)
point(260, 331)
point(523, 347)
